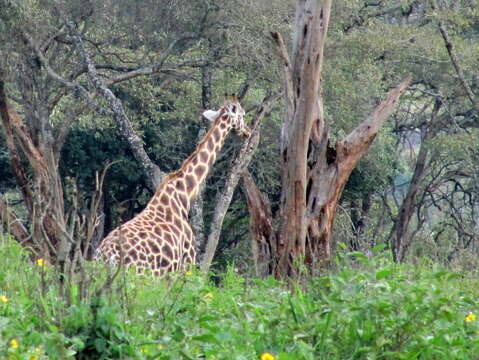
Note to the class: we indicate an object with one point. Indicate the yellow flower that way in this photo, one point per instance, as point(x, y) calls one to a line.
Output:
point(267, 356)
point(14, 344)
point(3, 299)
point(208, 296)
point(38, 350)
point(188, 273)
point(470, 317)
point(40, 262)
point(33, 357)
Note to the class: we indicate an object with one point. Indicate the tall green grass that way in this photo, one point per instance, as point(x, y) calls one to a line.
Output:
point(369, 309)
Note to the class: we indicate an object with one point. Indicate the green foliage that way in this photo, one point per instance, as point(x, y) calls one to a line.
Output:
point(371, 46)
point(371, 309)
point(376, 170)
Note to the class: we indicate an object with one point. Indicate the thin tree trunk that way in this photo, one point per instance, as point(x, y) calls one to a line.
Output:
point(359, 219)
point(401, 224)
point(196, 212)
point(454, 59)
point(261, 226)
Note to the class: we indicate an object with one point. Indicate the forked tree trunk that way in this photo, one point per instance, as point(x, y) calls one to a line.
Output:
point(328, 171)
point(303, 109)
point(314, 170)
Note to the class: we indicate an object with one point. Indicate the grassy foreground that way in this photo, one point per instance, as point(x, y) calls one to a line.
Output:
point(372, 310)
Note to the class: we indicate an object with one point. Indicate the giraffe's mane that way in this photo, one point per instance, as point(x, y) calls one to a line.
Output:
point(179, 171)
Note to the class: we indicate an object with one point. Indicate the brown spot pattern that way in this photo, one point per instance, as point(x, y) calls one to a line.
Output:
point(210, 144)
point(190, 183)
point(217, 134)
point(203, 155)
point(200, 170)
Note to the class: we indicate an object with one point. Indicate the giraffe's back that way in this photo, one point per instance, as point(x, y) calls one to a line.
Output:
point(151, 240)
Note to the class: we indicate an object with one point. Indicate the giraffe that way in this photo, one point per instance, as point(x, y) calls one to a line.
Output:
point(160, 238)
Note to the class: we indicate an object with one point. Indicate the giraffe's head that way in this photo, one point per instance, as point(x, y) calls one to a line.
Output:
point(234, 112)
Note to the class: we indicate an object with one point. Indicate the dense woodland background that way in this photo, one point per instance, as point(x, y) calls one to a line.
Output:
point(416, 190)
point(100, 99)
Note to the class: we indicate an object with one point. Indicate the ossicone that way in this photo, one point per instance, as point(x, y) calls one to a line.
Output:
point(211, 115)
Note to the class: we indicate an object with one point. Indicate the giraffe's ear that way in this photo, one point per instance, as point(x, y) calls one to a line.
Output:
point(211, 115)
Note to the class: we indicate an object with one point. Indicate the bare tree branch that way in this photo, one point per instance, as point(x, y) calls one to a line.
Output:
point(353, 144)
point(454, 58)
point(13, 225)
point(154, 174)
point(69, 84)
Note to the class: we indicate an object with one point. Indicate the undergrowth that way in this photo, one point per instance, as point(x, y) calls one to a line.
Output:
point(370, 308)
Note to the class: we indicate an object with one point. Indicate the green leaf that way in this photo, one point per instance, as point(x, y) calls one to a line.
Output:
point(208, 338)
point(359, 256)
point(379, 248)
point(383, 273)
point(286, 356)
point(440, 274)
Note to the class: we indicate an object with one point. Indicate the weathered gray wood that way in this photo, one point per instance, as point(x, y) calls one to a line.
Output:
point(303, 108)
point(314, 171)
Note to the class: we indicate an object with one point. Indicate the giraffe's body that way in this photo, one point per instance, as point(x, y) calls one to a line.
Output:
point(160, 237)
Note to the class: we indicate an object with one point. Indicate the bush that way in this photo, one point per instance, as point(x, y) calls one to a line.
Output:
point(370, 309)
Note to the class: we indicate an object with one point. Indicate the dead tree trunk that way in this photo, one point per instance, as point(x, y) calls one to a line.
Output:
point(328, 171)
point(314, 171)
point(261, 226)
point(303, 108)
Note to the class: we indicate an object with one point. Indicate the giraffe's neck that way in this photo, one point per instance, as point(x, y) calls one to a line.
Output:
point(187, 180)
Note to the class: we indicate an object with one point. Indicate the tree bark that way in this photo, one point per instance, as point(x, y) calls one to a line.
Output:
point(314, 171)
point(303, 108)
point(329, 173)
point(261, 227)
point(196, 212)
